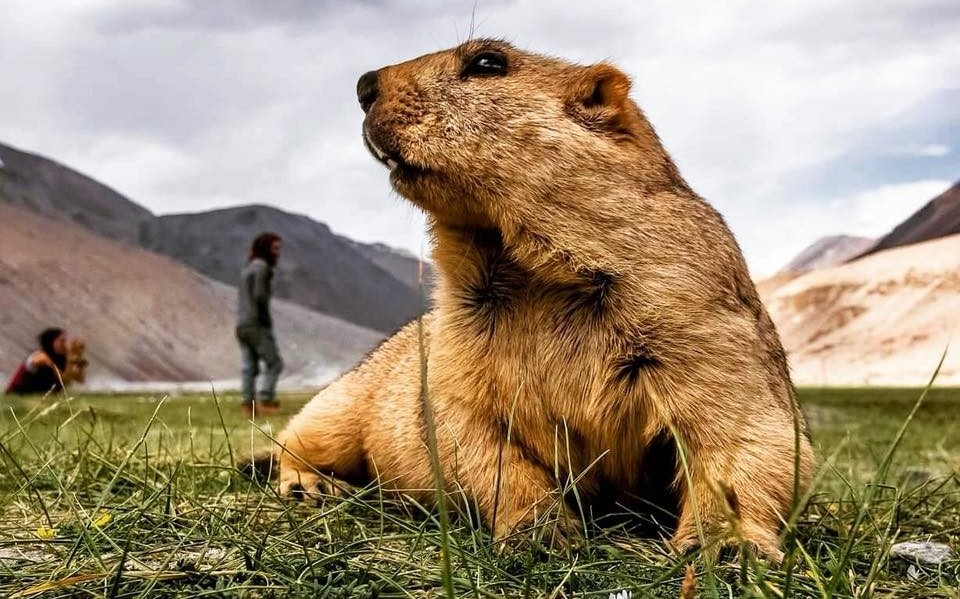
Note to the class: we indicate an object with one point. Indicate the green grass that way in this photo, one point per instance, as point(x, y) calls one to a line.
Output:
point(144, 503)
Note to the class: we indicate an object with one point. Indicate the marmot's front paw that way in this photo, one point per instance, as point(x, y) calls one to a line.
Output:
point(305, 485)
point(558, 529)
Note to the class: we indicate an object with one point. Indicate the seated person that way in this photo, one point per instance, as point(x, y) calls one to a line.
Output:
point(42, 371)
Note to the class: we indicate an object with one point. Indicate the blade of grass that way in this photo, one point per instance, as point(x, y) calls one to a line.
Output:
point(438, 478)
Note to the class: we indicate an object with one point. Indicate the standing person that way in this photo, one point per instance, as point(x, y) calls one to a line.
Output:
point(255, 326)
point(42, 371)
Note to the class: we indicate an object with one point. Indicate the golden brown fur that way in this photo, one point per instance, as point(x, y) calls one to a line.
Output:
point(590, 306)
point(76, 369)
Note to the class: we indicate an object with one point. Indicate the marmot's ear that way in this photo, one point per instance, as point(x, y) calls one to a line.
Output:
point(603, 85)
point(600, 98)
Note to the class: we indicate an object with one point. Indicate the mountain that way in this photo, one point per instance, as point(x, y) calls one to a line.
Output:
point(318, 269)
point(369, 284)
point(403, 266)
point(884, 319)
point(144, 316)
point(767, 286)
point(940, 217)
point(50, 188)
point(828, 251)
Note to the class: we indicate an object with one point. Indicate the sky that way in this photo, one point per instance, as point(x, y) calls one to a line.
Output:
point(795, 119)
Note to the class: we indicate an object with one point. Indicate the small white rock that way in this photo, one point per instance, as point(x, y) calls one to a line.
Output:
point(913, 573)
point(622, 595)
point(927, 552)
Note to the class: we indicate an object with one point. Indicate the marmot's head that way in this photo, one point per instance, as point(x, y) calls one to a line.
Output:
point(474, 133)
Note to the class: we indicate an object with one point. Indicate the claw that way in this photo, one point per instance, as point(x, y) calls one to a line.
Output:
point(297, 492)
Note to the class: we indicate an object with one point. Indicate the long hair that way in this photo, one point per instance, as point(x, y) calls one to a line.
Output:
point(46, 339)
point(260, 248)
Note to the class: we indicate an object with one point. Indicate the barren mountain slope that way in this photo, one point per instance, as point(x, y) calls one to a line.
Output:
point(58, 191)
point(368, 284)
point(828, 251)
point(882, 320)
point(404, 267)
point(940, 217)
point(319, 269)
point(145, 317)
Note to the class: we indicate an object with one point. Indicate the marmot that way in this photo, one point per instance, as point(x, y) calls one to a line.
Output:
point(590, 311)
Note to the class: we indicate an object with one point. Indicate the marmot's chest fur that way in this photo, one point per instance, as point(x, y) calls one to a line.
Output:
point(545, 356)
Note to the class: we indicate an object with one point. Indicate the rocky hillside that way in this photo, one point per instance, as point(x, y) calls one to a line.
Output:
point(940, 217)
point(404, 267)
point(50, 188)
point(828, 251)
point(857, 312)
point(368, 284)
point(884, 319)
point(319, 270)
point(145, 316)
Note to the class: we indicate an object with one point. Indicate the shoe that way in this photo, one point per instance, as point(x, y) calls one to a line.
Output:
point(268, 408)
point(247, 408)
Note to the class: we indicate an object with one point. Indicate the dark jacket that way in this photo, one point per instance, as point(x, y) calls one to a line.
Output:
point(253, 296)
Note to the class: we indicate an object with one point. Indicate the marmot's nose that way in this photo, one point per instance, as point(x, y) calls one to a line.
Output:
point(367, 89)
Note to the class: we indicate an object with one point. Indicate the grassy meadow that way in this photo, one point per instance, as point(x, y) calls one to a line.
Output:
point(135, 496)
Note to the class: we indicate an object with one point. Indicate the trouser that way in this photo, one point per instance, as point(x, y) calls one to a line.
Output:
point(257, 344)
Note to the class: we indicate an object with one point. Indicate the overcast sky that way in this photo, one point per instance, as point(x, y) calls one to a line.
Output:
point(795, 119)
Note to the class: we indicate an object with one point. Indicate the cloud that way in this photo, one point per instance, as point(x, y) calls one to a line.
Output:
point(193, 104)
point(929, 150)
point(297, 16)
point(873, 212)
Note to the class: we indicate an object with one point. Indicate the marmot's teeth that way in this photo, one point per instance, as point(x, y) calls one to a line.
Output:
point(376, 149)
point(391, 163)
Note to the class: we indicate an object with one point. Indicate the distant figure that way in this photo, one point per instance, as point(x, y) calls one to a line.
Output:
point(255, 326)
point(43, 370)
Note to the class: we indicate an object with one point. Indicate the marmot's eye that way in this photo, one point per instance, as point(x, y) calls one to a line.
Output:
point(485, 63)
